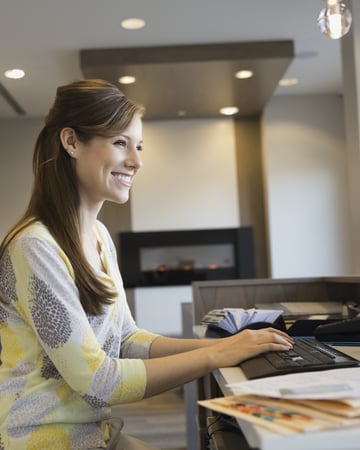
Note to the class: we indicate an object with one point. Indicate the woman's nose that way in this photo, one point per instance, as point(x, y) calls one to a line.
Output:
point(134, 159)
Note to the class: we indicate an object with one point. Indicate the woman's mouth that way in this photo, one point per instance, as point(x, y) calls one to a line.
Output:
point(123, 179)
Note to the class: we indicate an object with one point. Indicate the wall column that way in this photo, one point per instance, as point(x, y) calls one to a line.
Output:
point(350, 47)
point(251, 187)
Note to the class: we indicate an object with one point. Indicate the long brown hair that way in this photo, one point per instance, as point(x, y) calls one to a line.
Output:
point(92, 108)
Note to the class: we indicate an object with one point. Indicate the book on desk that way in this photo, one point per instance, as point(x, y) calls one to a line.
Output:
point(227, 321)
point(288, 417)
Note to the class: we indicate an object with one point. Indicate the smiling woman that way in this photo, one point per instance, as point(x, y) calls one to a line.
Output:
point(71, 351)
point(105, 166)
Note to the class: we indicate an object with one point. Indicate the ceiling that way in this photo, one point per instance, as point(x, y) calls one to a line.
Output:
point(205, 41)
point(194, 80)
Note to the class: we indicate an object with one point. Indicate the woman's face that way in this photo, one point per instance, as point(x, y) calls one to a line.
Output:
point(105, 167)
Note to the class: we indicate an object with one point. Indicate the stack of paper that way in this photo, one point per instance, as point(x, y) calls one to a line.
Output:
point(298, 310)
point(296, 403)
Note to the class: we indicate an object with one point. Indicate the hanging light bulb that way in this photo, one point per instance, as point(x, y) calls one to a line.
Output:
point(335, 19)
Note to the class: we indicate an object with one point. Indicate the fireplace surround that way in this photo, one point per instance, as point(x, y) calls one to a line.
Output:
point(168, 258)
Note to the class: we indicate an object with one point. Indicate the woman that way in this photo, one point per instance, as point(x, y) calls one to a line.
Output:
point(71, 350)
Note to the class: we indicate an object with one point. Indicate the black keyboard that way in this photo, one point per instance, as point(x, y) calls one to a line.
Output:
point(307, 354)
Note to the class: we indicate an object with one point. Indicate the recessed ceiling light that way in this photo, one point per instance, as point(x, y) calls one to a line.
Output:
point(229, 110)
point(127, 79)
point(133, 23)
point(288, 82)
point(14, 74)
point(243, 74)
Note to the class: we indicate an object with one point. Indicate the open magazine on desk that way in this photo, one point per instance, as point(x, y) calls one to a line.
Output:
point(227, 321)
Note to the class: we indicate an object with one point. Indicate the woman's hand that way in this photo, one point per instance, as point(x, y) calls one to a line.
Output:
point(232, 350)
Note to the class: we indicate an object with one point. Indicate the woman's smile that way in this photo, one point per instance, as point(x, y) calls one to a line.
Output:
point(123, 179)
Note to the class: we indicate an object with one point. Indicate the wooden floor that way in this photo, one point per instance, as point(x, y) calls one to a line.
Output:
point(159, 421)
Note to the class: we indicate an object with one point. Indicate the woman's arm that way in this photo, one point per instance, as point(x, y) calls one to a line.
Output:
point(177, 361)
point(164, 346)
point(60, 331)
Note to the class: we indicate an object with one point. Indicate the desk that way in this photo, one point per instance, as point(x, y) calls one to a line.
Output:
point(259, 438)
point(208, 295)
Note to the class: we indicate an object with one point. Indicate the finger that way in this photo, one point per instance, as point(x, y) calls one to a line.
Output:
point(283, 334)
point(276, 337)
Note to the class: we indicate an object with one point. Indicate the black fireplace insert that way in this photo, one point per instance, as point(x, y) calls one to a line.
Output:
point(168, 258)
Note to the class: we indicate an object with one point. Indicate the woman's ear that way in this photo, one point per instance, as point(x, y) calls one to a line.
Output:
point(68, 141)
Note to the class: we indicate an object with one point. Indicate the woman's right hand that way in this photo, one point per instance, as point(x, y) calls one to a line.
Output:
point(232, 350)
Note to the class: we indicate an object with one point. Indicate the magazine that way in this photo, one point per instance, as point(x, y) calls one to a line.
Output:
point(345, 407)
point(234, 320)
point(278, 415)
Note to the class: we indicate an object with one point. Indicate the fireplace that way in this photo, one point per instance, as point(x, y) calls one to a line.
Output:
point(165, 258)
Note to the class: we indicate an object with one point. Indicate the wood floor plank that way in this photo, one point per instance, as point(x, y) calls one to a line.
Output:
point(159, 420)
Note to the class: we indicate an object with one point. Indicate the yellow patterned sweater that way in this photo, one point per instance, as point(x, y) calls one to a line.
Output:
point(62, 370)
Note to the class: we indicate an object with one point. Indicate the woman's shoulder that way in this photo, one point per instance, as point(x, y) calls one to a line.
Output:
point(33, 231)
point(101, 226)
point(105, 237)
point(103, 232)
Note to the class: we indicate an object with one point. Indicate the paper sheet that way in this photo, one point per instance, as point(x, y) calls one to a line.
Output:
point(324, 384)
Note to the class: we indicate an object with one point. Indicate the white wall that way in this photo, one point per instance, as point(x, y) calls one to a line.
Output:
point(188, 181)
point(16, 150)
point(159, 308)
point(306, 186)
point(350, 51)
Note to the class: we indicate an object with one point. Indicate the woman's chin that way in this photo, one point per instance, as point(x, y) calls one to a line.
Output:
point(120, 199)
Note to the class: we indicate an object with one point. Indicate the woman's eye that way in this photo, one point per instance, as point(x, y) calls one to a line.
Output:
point(121, 142)
point(139, 148)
